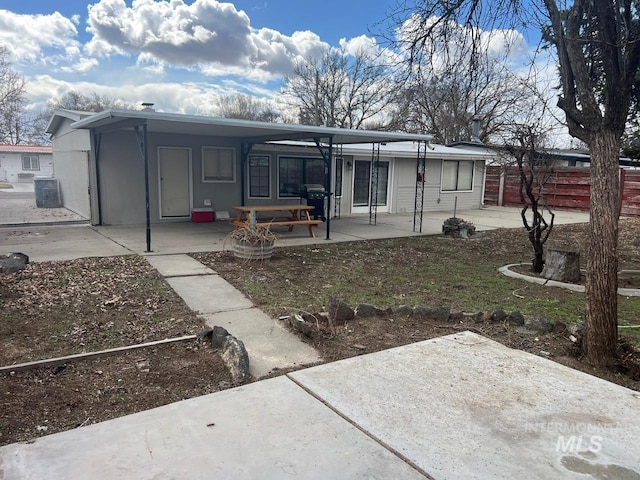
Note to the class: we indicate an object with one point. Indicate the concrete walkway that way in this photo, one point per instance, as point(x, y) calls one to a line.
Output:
point(455, 407)
point(269, 345)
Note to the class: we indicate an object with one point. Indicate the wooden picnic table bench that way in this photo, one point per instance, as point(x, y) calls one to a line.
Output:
point(295, 215)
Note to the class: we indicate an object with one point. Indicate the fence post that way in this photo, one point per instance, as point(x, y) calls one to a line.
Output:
point(501, 186)
point(623, 175)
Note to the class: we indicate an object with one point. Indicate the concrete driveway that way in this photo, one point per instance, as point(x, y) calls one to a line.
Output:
point(18, 207)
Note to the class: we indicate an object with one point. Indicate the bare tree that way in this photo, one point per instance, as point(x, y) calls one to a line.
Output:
point(340, 90)
point(535, 169)
point(246, 107)
point(444, 101)
point(13, 98)
point(597, 44)
point(92, 102)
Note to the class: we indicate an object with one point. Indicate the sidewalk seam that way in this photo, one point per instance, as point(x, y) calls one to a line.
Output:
point(367, 433)
point(117, 243)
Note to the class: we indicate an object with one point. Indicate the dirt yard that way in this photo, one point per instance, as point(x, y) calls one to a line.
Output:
point(53, 309)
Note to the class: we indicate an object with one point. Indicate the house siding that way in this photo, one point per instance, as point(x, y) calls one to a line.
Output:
point(71, 157)
point(435, 199)
point(11, 167)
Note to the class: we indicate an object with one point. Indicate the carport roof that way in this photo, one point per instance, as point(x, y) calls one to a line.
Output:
point(246, 130)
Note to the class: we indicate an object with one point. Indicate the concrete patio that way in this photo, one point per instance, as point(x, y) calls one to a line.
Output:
point(65, 242)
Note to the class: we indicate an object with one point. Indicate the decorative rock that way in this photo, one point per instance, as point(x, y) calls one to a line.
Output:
point(403, 311)
point(235, 356)
point(561, 265)
point(367, 310)
point(339, 310)
point(478, 317)
point(538, 324)
point(497, 315)
point(440, 314)
point(218, 337)
point(14, 262)
point(515, 319)
point(456, 317)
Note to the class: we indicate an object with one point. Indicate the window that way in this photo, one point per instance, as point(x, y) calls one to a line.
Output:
point(218, 164)
point(457, 175)
point(30, 162)
point(293, 172)
point(259, 176)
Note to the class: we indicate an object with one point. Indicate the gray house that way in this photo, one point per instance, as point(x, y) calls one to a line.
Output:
point(120, 167)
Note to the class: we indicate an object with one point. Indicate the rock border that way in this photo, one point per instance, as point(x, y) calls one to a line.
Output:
point(232, 351)
point(506, 271)
point(309, 324)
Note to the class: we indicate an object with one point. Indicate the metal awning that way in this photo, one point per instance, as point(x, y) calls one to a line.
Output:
point(246, 131)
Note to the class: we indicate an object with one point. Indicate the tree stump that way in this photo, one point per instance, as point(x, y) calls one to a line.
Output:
point(562, 265)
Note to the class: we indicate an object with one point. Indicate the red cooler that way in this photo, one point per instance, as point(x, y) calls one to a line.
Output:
point(202, 215)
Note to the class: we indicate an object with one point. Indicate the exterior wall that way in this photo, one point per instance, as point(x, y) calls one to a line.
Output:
point(122, 189)
point(222, 195)
point(121, 174)
point(434, 198)
point(11, 167)
point(71, 156)
point(121, 179)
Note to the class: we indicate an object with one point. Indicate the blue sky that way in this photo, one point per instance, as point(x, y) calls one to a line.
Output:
point(180, 54)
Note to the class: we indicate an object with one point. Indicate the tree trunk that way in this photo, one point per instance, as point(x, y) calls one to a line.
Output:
point(601, 324)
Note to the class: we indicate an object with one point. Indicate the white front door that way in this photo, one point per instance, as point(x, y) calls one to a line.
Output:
point(365, 178)
point(174, 170)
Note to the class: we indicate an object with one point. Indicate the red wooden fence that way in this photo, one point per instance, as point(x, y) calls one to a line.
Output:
point(564, 188)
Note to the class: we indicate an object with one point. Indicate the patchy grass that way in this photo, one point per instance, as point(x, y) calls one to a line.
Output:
point(461, 274)
point(434, 270)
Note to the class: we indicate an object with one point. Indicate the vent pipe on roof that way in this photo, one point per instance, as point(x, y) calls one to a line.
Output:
point(475, 130)
point(148, 107)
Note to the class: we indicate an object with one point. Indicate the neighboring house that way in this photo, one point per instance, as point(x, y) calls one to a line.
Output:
point(193, 160)
point(21, 163)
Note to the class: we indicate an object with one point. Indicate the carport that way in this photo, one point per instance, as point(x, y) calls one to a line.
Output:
point(249, 134)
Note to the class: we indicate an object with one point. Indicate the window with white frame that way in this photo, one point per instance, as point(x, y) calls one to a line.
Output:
point(259, 176)
point(457, 175)
point(218, 164)
point(30, 162)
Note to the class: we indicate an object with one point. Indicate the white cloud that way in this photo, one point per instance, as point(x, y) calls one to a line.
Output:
point(82, 66)
point(363, 44)
point(208, 33)
point(27, 37)
point(189, 98)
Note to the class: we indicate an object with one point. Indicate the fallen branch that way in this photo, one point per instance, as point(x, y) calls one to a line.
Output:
point(83, 356)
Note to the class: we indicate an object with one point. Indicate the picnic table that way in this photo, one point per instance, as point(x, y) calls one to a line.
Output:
point(275, 216)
